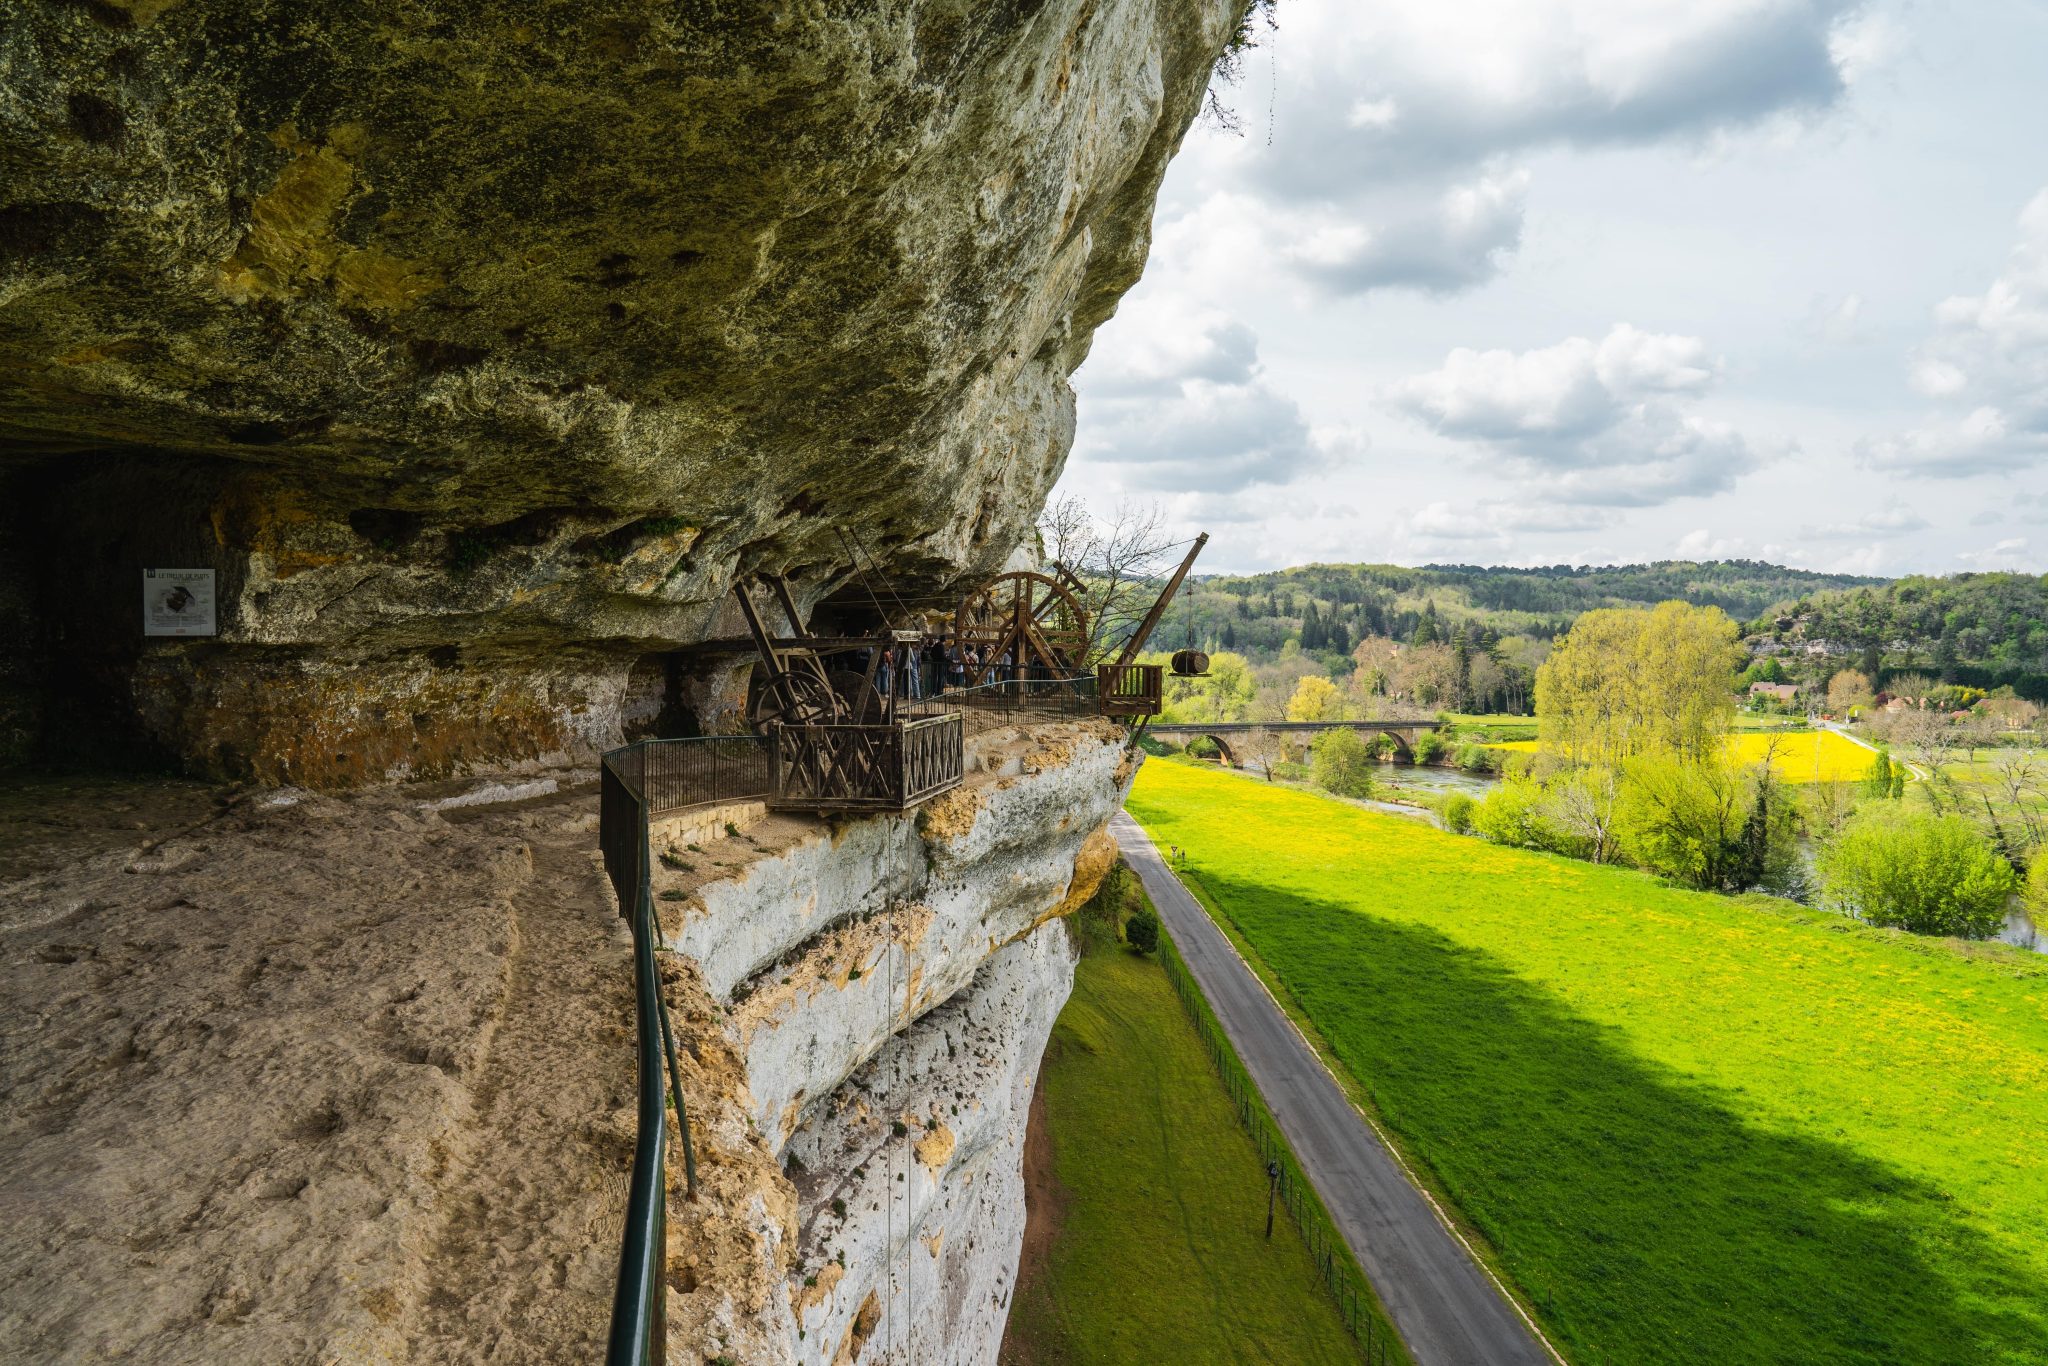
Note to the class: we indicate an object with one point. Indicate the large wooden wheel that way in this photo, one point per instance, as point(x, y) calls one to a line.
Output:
point(798, 697)
point(1035, 619)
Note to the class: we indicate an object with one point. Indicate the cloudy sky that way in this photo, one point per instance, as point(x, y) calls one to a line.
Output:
point(1542, 281)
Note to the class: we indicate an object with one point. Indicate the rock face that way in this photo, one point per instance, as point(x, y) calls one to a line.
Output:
point(478, 348)
point(871, 1005)
point(350, 1077)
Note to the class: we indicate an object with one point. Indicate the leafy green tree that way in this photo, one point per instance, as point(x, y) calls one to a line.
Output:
point(1225, 694)
point(1770, 833)
point(1685, 820)
point(1894, 865)
point(1521, 812)
point(2035, 892)
point(1141, 931)
point(1886, 777)
point(1343, 765)
point(1315, 699)
point(1627, 683)
point(1426, 632)
point(1458, 811)
point(1430, 746)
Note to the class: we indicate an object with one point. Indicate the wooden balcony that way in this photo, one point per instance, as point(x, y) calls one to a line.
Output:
point(1130, 689)
point(889, 767)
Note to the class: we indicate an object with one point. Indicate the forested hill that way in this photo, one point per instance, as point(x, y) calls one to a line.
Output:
point(1963, 626)
point(1258, 613)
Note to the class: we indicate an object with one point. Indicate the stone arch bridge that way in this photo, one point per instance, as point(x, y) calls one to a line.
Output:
point(1402, 733)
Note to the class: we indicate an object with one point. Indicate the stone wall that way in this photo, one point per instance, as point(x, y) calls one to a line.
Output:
point(478, 349)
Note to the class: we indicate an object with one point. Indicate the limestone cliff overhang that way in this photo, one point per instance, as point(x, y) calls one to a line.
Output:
point(479, 350)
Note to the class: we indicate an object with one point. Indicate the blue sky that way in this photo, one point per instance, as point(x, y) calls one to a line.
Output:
point(1537, 281)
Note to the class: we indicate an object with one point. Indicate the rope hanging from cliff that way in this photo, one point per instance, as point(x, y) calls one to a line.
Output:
point(853, 555)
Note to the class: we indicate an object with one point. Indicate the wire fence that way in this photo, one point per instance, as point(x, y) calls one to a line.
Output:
point(1360, 1309)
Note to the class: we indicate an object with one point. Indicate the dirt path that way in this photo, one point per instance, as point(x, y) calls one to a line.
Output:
point(311, 1079)
point(533, 1200)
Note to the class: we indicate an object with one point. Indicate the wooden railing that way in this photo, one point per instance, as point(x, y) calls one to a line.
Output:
point(1130, 689)
point(868, 768)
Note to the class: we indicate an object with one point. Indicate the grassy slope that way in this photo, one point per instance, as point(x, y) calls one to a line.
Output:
point(1161, 1254)
point(1693, 1129)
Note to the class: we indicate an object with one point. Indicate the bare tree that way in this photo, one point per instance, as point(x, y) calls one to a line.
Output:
point(1583, 802)
point(1978, 730)
point(1118, 561)
point(2022, 783)
point(1928, 738)
point(1260, 748)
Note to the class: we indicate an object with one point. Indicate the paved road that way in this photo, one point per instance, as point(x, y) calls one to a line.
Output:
point(1447, 1309)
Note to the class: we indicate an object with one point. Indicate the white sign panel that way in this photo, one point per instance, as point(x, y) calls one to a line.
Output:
point(177, 602)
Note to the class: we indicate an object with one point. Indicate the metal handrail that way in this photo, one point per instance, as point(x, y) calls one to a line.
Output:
point(639, 1326)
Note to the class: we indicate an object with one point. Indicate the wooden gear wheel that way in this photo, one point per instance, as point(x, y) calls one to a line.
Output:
point(1037, 619)
point(798, 697)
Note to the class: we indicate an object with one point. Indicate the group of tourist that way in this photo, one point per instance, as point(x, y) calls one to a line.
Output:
point(926, 668)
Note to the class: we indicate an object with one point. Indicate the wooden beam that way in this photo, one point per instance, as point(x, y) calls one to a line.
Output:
point(1136, 644)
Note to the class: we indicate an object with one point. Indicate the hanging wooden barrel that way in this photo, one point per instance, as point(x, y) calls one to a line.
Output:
point(1190, 664)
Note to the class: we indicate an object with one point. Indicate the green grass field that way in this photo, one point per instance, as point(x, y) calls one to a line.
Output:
point(1160, 1254)
point(1690, 1128)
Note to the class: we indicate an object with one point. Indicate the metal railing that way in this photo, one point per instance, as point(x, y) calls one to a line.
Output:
point(639, 1328)
point(1033, 693)
point(672, 774)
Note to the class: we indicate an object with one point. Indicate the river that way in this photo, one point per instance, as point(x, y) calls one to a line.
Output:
point(1396, 778)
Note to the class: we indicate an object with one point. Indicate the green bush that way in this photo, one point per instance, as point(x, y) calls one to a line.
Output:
point(1886, 776)
point(1477, 759)
point(1513, 814)
point(1917, 871)
point(1458, 810)
point(2035, 891)
point(1711, 826)
point(1429, 747)
point(1141, 931)
point(1343, 764)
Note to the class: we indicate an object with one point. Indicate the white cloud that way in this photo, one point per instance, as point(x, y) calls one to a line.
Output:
point(1496, 522)
point(1598, 422)
point(1987, 364)
point(1574, 389)
point(2007, 554)
point(1892, 520)
point(1403, 121)
point(1867, 559)
point(1839, 321)
point(1460, 239)
point(1406, 88)
point(1182, 406)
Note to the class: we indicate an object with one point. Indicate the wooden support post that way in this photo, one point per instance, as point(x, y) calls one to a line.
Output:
point(1136, 643)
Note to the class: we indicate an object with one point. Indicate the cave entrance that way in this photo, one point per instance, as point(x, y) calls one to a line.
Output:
point(653, 707)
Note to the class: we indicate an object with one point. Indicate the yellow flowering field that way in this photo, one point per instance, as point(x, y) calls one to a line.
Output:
point(1812, 756)
point(1690, 1128)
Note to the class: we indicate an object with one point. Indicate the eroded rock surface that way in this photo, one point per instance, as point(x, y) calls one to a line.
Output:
point(478, 348)
point(873, 1001)
point(292, 1077)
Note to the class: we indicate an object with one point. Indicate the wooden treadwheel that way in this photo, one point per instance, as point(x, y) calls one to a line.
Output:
point(1035, 619)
